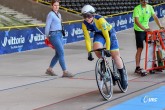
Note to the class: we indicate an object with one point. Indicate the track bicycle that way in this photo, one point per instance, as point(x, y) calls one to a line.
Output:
point(105, 76)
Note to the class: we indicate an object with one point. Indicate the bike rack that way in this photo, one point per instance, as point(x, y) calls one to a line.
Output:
point(155, 50)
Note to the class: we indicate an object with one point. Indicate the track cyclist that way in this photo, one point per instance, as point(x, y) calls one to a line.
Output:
point(104, 33)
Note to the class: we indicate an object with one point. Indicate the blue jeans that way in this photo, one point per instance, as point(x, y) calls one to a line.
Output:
point(57, 41)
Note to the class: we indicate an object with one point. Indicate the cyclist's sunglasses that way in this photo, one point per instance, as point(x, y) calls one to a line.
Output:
point(87, 15)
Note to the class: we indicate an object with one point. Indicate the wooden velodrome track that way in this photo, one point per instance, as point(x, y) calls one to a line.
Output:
point(24, 85)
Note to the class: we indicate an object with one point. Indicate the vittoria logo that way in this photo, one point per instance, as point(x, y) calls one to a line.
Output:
point(131, 20)
point(121, 22)
point(76, 31)
point(163, 12)
point(37, 37)
point(12, 41)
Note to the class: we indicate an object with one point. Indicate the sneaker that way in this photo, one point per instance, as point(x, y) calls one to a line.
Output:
point(141, 71)
point(67, 74)
point(123, 78)
point(51, 73)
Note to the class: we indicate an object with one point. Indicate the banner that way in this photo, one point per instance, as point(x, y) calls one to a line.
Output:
point(33, 38)
point(73, 33)
point(20, 40)
point(160, 11)
point(121, 22)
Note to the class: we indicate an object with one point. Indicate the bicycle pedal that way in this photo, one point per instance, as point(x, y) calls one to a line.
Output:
point(114, 83)
point(116, 78)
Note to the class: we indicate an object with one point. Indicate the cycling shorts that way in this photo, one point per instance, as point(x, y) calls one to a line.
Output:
point(140, 36)
point(98, 37)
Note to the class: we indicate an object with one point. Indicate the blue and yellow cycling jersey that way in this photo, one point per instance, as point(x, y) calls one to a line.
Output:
point(99, 25)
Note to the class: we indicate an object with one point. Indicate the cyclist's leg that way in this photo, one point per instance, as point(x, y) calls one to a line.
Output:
point(98, 42)
point(114, 49)
point(120, 67)
point(116, 56)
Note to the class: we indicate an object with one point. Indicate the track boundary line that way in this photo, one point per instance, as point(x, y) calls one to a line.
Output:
point(24, 85)
point(125, 95)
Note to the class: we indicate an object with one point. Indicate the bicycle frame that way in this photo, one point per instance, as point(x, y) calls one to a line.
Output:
point(103, 57)
point(114, 72)
point(105, 75)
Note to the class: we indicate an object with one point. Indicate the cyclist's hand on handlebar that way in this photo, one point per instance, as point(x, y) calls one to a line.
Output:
point(107, 53)
point(90, 57)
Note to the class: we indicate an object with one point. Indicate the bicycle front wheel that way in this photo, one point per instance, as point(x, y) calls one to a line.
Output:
point(104, 78)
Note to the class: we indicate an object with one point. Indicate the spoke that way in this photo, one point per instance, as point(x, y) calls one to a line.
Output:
point(101, 84)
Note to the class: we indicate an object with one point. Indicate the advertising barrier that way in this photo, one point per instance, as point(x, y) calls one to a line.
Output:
point(18, 40)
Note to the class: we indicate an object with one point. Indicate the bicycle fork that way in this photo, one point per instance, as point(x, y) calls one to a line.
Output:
point(104, 67)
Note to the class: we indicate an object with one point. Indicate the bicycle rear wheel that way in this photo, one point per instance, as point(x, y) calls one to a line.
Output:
point(119, 81)
point(104, 78)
